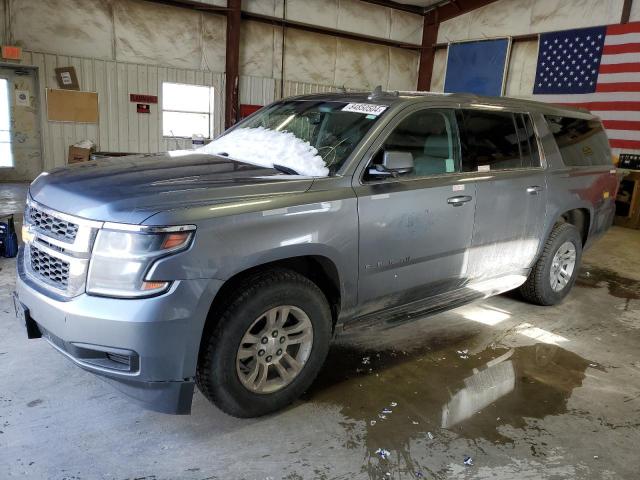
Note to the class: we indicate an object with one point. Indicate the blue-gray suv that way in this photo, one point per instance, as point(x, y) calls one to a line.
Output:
point(231, 267)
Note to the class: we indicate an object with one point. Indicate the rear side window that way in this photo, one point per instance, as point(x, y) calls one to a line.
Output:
point(489, 141)
point(581, 142)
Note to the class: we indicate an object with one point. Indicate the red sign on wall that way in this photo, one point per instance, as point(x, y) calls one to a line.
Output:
point(246, 110)
point(143, 108)
point(139, 98)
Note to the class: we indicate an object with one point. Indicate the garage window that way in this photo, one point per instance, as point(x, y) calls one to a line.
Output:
point(187, 110)
point(6, 155)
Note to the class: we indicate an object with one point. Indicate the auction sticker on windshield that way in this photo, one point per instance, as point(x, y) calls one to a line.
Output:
point(367, 108)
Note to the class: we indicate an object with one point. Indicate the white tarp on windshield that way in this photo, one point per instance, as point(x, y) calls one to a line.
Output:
point(263, 147)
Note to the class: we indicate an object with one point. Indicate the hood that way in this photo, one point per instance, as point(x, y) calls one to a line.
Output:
point(131, 189)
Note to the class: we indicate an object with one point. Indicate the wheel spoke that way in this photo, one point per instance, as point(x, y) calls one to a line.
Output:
point(284, 374)
point(262, 378)
point(253, 375)
point(250, 339)
point(272, 317)
point(299, 327)
point(293, 363)
point(246, 353)
point(283, 314)
point(306, 335)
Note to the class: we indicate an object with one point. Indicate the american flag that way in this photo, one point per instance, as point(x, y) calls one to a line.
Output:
point(598, 69)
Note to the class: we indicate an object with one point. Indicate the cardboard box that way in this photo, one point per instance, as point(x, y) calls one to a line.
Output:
point(78, 155)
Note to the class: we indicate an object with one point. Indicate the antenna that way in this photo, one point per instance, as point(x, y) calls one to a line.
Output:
point(377, 93)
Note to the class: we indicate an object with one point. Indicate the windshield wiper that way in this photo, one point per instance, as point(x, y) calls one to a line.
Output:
point(283, 169)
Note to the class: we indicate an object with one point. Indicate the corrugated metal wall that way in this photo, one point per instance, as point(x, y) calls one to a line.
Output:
point(120, 127)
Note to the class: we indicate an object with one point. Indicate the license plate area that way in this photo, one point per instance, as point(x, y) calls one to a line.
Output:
point(22, 314)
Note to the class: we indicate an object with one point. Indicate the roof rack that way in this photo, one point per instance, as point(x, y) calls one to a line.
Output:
point(421, 92)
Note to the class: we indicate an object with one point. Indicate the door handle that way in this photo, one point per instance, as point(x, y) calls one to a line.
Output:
point(459, 200)
point(534, 189)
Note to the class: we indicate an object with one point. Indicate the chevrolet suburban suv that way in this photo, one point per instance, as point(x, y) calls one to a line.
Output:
point(233, 266)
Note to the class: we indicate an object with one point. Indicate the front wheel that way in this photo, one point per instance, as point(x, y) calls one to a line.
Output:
point(556, 270)
point(268, 346)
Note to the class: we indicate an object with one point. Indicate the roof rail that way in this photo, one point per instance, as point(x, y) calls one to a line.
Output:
point(421, 92)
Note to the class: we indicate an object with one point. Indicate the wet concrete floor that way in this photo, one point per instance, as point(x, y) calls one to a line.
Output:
point(516, 390)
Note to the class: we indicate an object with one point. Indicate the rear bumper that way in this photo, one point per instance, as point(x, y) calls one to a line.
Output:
point(148, 348)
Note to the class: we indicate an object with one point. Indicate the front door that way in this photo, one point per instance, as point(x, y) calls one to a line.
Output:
point(416, 227)
point(20, 143)
point(501, 151)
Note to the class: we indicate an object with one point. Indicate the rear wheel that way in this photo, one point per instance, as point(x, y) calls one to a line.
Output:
point(556, 270)
point(268, 345)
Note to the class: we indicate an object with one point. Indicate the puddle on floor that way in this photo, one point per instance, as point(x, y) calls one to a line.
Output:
point(620, 287)
point(437, 393)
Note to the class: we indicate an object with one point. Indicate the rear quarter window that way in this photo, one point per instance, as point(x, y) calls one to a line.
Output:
point(582, 143)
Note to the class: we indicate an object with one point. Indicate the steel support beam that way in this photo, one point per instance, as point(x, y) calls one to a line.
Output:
point(626, 11)
point(279, 22)
point(428, 53)
point(232, 63)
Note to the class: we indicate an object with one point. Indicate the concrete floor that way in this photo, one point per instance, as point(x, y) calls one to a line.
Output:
point(527, 392)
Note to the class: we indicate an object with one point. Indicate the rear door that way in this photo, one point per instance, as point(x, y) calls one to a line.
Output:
point(415, 229)
point(502, 149)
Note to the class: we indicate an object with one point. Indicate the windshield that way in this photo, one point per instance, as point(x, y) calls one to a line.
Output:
point(311, 137)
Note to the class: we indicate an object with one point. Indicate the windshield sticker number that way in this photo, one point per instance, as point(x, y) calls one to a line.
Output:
point(366, 108)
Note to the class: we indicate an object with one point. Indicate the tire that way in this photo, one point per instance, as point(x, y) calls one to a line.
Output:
point(221, 372)
point(538, 288)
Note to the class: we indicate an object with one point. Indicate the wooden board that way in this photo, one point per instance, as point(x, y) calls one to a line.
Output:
point(72, 106)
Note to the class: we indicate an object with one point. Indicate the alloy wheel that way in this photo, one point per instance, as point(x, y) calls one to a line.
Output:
point(274, 349)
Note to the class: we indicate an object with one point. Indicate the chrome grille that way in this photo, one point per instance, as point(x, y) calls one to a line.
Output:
point(51, 225)
point(50, 269)
point(58, 249)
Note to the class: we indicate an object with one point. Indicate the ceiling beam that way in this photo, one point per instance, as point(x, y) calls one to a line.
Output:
point(397, 6)
point(194, 5)
point(277, 21)
point(455, 8)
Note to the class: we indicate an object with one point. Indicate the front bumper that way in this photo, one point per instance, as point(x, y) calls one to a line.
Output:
point(148, 348)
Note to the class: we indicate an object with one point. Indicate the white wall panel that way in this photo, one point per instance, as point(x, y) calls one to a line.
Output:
point(522, 69)
point(75, 27)
point(156, 34)
point(352, 16)
point(406, 27)
point(120, 127)
point(635, 12)
point(516, 17)
point(260, 50)
point(370, 19)
point(439, 68)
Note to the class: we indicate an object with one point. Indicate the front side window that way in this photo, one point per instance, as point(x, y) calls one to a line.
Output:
point(489, 141)
point(581, 142)
point(187, 110)
point(430, 136)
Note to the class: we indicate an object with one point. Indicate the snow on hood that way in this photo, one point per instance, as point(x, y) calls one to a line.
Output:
point(263, 147)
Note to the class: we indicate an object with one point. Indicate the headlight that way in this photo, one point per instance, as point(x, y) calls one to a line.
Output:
point(121, 259)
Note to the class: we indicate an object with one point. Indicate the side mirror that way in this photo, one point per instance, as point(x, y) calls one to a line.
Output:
point(394, 163)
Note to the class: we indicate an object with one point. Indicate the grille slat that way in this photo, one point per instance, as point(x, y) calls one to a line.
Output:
point(50, 269)
point(52, 226)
